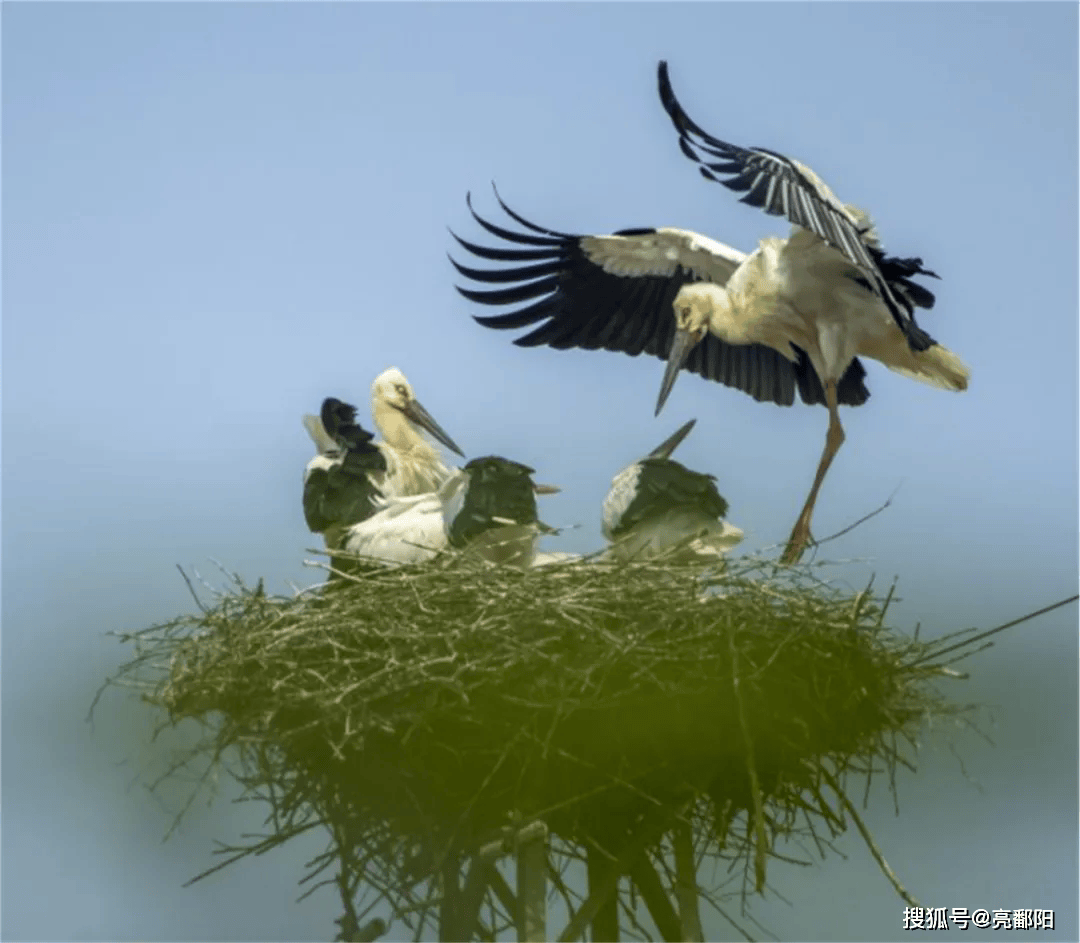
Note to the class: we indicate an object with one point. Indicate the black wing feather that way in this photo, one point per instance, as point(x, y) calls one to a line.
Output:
point(493, 276)
point(343, 494)
point(665, 485)
point(505, 296)
point(497, 487)
point(509, 234)
point(502, 255)
point(339, 496)
point(576, 304)
point(775, 184)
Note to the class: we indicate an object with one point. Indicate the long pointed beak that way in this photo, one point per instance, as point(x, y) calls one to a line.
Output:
point(680, 349)
point(427, 422)
point(546, 489)
point(670, 444)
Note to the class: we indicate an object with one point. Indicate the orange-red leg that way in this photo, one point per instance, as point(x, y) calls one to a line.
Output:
point(834, 438)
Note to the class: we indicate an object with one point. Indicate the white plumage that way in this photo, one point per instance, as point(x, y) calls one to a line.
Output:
point(793, 315)
point(658, 507)
point(487, 508)
point(407, 529)
point(326, 449)
point(349, 471)
point(414, 466)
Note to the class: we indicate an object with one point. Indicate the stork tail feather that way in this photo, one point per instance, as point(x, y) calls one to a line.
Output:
point(937, 366)
point(943, 363)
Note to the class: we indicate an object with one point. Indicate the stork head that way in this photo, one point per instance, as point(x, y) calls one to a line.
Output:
point(693, 309)
point(393, 388)
point(391, 391)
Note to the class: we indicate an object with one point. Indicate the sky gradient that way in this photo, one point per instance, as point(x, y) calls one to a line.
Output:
point(214, 215)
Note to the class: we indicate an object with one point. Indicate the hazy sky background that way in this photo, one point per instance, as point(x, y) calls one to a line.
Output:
point(216, 215)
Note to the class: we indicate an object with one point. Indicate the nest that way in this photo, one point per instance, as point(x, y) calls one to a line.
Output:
point(421, 712)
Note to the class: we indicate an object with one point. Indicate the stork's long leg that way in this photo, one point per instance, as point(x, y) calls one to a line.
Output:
point(834, 438)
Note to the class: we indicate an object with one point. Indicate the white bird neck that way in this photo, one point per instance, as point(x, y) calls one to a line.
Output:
point(727, 315)
point(399, 433)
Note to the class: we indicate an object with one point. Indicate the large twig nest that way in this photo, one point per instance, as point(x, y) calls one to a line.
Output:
point(452, 698)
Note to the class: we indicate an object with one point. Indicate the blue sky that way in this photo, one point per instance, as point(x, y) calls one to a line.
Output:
point(216, 215)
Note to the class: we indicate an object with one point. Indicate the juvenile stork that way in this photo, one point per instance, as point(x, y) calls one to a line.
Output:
point(413, 465)
point(796, 314)
point(342, 483)
point(488, 507)
point(658, 507)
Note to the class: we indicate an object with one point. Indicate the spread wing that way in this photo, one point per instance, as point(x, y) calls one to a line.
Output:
point(785, 187)
point(615, 292)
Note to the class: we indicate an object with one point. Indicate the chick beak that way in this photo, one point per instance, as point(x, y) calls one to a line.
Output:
point(672, 442)
point(427, 422)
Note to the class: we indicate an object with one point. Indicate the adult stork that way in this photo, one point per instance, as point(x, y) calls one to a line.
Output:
point(796, 314)
point(343, 482)
point(413, 464)
point(657, 507)
point(488, 507)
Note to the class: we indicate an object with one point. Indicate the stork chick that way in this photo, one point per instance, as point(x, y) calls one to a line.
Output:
point(414, 466)
point(342, 483)
point(492, 511)
point(488, 508)
point(658, 507)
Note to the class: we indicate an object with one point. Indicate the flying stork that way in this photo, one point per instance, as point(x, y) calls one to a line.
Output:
point(488, 507)
point(658, 507)
point(343, 482)
point(796, 314)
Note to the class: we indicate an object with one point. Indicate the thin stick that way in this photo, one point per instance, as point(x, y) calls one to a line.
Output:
point(861, 520)
point(929, 656)
point(849, 806)
point(191, 589)
point(349, 922)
